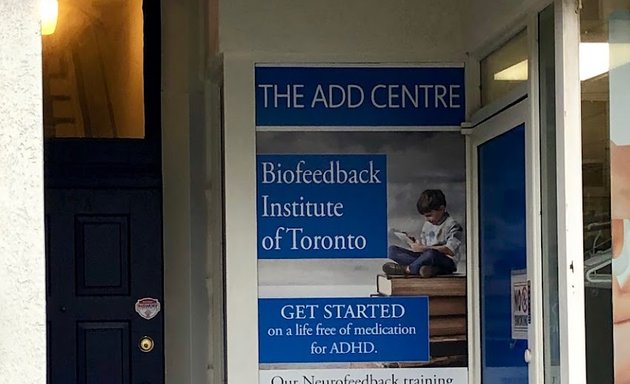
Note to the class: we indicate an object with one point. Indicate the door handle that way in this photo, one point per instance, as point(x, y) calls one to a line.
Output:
point(527, 356)
point(146, 344)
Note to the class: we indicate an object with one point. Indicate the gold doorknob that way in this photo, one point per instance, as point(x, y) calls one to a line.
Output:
point(146, 344)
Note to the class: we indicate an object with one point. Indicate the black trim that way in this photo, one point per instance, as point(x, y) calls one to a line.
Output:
point(152, 70)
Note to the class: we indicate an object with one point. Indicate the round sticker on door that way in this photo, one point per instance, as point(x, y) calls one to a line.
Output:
point(148, 307)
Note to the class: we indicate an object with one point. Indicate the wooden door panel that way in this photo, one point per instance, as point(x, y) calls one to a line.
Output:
point(105, 253)
point(102, 255)
point(104, 352)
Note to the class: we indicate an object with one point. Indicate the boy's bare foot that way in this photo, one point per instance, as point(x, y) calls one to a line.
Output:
point(427, 271)
point(394, 269)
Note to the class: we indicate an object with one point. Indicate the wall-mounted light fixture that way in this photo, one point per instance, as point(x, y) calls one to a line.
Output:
point(49, 10)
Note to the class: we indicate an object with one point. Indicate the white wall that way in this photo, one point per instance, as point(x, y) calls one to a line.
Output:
point(22, 260)
point(408, 29)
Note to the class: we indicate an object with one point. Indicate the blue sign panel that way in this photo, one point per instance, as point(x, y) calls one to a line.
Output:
point(359, 96)
point(322, 206)
point(318, 330)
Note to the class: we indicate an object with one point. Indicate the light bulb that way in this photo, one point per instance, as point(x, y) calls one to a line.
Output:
point(49, 9)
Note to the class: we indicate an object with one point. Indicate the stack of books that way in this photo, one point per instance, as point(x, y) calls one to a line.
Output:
point(447, 312)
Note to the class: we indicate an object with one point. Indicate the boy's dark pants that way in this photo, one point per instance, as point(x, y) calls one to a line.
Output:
point(405, 257)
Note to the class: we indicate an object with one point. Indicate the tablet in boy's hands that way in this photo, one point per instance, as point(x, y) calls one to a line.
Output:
point(404, 236)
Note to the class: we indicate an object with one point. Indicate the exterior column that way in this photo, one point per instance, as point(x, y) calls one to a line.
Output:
point(569, 184)
point(22, 258)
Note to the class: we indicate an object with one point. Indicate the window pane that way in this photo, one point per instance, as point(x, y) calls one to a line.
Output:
point(504, 69)
point(93, 70)
point(605, 80)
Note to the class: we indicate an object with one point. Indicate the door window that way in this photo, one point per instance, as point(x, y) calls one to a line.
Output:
point(93, 70)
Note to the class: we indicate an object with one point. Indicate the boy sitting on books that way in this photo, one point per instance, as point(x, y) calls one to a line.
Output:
point(440, 239)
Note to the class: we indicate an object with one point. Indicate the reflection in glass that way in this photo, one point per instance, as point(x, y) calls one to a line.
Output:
point(93, 70)
point(605, 75)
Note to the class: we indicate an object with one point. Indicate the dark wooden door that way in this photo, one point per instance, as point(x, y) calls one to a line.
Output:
point(103, 191)
point(104, 254)
point(103, 204)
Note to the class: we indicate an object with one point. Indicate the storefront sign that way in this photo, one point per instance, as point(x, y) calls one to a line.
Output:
point(329, 202)
point(359, 95)
point(344, 330)
point(365, 376)
point(314, 206)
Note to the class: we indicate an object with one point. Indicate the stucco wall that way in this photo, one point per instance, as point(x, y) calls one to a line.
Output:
point(22, 267)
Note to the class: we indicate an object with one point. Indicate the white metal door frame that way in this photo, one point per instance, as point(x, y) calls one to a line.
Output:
point(517, 113)
point(569, 190)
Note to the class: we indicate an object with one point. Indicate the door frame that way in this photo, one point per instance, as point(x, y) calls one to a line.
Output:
point(568, 178)
point(569, 194)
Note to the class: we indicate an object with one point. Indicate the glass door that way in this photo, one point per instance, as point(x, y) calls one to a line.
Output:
point(504, 263)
